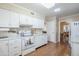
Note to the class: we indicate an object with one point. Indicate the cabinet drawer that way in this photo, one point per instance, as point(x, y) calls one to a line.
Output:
point(15, 53)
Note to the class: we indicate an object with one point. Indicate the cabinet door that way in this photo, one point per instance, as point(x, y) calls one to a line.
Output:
point(15, 47)
point(14, 19)
point(4, 18)
point(37, 23)
point(22, 19)
point(40, 23)
point(26, 20)
point(29, 20)
point(3, 48)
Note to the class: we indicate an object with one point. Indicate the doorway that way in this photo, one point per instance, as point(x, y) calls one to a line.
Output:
point(64, 32)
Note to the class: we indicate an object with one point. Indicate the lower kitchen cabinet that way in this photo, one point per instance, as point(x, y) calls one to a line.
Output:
point(15, 47)
point(3, 47)
point(40, 40)
point(27, 51)
point(10, 47)
point(19, 46)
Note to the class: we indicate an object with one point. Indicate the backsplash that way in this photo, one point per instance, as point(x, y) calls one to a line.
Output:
point(16, 31)
point(37, 31)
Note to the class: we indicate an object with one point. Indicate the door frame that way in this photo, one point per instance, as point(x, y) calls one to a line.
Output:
point(59, 28)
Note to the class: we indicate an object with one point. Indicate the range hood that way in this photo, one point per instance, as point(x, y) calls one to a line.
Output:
point(23, 25)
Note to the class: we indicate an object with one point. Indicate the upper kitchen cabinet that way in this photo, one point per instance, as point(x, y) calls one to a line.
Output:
point(22, 19)
point(25, 20)
point(38, 23)
point(8, 19)
point(35, 22)
point(14, 20)
point(4, 18)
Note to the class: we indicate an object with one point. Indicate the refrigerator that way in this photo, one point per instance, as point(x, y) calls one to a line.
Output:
point(74, 38)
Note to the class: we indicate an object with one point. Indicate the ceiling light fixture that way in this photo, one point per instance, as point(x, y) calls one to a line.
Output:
point(57, 9)
point(48, 5)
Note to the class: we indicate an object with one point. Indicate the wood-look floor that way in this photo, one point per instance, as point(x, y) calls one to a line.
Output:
point(51, 49)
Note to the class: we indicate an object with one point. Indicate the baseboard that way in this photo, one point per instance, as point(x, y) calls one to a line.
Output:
point(53, 42)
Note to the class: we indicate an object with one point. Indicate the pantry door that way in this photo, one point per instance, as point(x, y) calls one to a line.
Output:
point(51, 30)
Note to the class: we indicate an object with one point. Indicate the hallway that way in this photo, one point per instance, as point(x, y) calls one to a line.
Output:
point(51, 49)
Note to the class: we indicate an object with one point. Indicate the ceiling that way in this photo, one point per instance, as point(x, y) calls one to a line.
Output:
point(66, 8)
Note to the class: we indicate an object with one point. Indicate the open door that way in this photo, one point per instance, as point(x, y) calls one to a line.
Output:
point(64, 32)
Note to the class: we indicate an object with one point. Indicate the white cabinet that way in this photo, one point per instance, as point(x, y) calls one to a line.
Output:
point(38, 23)
point(25, 20)
point(15, 47)
point(14, 19)
point(11, 47)
point(35, 23)
point(11, 19)
point(40, 40)
point(3, 47)
point(45, 38)
point(8, 18)
point(29, 20)
point(4, 18)
point(22, 19)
